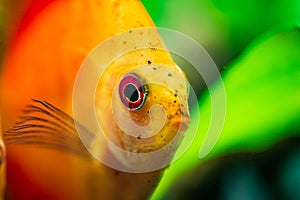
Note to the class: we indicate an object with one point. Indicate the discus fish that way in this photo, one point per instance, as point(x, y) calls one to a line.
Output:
point(42, 63)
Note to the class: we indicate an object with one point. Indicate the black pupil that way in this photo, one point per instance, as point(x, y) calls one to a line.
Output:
point(131, 93)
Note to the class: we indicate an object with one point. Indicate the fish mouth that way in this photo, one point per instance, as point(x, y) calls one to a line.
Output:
point(182, 123)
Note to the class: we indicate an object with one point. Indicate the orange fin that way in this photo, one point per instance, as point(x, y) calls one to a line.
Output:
point(45, 125)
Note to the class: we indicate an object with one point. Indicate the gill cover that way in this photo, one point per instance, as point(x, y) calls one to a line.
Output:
point(135, 101)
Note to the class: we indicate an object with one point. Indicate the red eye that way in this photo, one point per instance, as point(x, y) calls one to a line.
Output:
point(132, 92)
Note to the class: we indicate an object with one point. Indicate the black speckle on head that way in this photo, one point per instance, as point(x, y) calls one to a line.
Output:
point(175, 95)
point(161, 135)
point(139, 137)
point(148, 111)
point(130, 31)
point(124, 42)
point(169, 74)
point(142, 55)
point(139, 23)
point(154, 97)
point(117, 172)
point(154, 68)
point(174, 101)
point(149, 62)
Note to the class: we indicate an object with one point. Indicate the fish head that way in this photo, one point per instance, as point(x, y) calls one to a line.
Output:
point(141, 102)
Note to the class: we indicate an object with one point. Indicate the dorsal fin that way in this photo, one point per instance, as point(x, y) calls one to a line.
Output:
point(45, 125)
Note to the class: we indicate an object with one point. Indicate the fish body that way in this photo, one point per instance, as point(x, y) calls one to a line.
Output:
point(42, 63)
point(35, 64)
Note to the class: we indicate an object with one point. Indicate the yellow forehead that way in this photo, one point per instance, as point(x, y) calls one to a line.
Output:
point(138, 57)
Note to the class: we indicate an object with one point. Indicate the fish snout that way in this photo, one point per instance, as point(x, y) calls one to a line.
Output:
point(181, 123)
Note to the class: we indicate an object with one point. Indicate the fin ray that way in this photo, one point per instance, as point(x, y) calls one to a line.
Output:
point(43, 124)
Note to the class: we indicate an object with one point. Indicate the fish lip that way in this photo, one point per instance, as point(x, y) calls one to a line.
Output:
point(182, 122)
point(185, 124)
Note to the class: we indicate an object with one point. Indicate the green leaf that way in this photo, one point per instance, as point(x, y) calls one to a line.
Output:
point(263, 103)
point(224, 28)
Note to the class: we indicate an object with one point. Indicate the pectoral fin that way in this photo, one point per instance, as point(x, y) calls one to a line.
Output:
point(45, 125)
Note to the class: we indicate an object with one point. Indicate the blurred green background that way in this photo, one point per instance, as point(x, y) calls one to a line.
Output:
point(256, 46)
point(224, 27)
